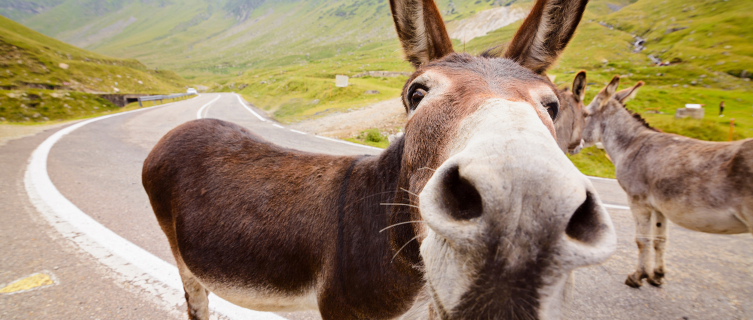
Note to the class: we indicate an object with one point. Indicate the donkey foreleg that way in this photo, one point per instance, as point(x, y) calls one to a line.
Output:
point(659, 229)
point(642, 217)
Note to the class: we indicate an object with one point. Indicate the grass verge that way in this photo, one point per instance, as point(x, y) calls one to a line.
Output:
point(592, 161)
point(371, 137)
point(41, 107)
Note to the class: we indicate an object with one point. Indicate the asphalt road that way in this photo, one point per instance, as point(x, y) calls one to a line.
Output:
point(97, 167)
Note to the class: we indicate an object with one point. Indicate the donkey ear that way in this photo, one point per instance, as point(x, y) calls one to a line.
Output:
point(626, 94)
point(608, 92)
point(421, 30)
point(602, 98)
point(545, 33)
point(579, 86)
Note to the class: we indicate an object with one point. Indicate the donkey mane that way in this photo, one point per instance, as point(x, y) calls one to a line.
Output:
point(637, 116)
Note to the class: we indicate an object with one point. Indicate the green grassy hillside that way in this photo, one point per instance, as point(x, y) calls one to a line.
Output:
point(30, 59)
point(42, 78)
point(713, 35)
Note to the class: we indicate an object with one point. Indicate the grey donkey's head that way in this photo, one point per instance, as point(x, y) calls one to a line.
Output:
point(607, 102)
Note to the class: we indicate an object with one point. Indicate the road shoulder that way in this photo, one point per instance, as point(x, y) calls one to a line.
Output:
point(84, 288)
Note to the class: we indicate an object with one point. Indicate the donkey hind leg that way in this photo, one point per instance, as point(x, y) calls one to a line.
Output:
point(642, 217)
point(659, 229)
point(196, 296)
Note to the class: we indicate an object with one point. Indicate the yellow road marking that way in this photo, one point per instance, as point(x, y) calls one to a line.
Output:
point(33, 281)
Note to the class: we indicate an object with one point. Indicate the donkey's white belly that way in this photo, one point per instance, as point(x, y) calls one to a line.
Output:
point(720, 221)
point(264, 300)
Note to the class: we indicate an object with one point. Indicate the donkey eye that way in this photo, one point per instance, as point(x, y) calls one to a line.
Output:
point(553, 108)
point(416, 96)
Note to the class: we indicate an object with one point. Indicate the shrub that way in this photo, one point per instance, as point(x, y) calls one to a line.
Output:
point(373, 135)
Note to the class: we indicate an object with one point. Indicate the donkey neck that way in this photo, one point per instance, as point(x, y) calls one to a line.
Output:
point(621, 130)
point(364, 259)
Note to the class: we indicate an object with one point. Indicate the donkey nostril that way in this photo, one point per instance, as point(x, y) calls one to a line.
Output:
point(461, 197)
point(584, 225)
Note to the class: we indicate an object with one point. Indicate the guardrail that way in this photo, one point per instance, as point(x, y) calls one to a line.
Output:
point(162, 97)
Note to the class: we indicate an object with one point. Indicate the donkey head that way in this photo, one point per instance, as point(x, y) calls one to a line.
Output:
point(505, 216)
point(607, 102)
point(570, 122)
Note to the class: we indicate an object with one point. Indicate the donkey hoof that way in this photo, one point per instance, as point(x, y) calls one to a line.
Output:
point(633, 282)
point(656, 281)
point(658, 274)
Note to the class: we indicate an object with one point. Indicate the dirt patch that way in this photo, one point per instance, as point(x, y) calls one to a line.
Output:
point(388, 116)
point(10, 132)
point(481, 23)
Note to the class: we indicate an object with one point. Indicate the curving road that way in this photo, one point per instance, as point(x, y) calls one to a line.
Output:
point(97, 167)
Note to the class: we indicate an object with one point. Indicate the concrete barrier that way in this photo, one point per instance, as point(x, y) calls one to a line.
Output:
point(696, 113)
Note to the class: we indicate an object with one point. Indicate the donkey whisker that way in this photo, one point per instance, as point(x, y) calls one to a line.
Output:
point(411, 193)
point(401, 248)
point(369, 196)
point(427, 168)
point(399, 204)
point(397, 224)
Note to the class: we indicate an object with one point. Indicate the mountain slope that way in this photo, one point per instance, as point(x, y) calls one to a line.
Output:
point(19, 10)
point(206, 38)
point(44, 79)
point(29, 59)
point(714, 35)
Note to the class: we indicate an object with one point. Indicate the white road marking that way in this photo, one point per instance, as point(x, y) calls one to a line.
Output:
point(600, 178)
point(198, 114)
point(249, 109)
point(614, 206)
point(611, 206)
point(349, 143)
point(301, 132)
point(132, 263)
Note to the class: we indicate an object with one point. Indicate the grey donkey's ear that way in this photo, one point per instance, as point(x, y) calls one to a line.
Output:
point(579, 86)
point(602, 98)
point(609, 90)
point(626, 94)
point(421, 30)
point(545, 33)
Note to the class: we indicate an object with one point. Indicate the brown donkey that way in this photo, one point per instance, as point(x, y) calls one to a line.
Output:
point(700, 185)
point(571, 118)
point(474, 213)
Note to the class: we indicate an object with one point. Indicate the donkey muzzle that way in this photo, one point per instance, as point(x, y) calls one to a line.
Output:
point(509, 217)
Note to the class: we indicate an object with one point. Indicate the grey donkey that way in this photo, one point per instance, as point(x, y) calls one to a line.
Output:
point(571, 118)
point(699, 185)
